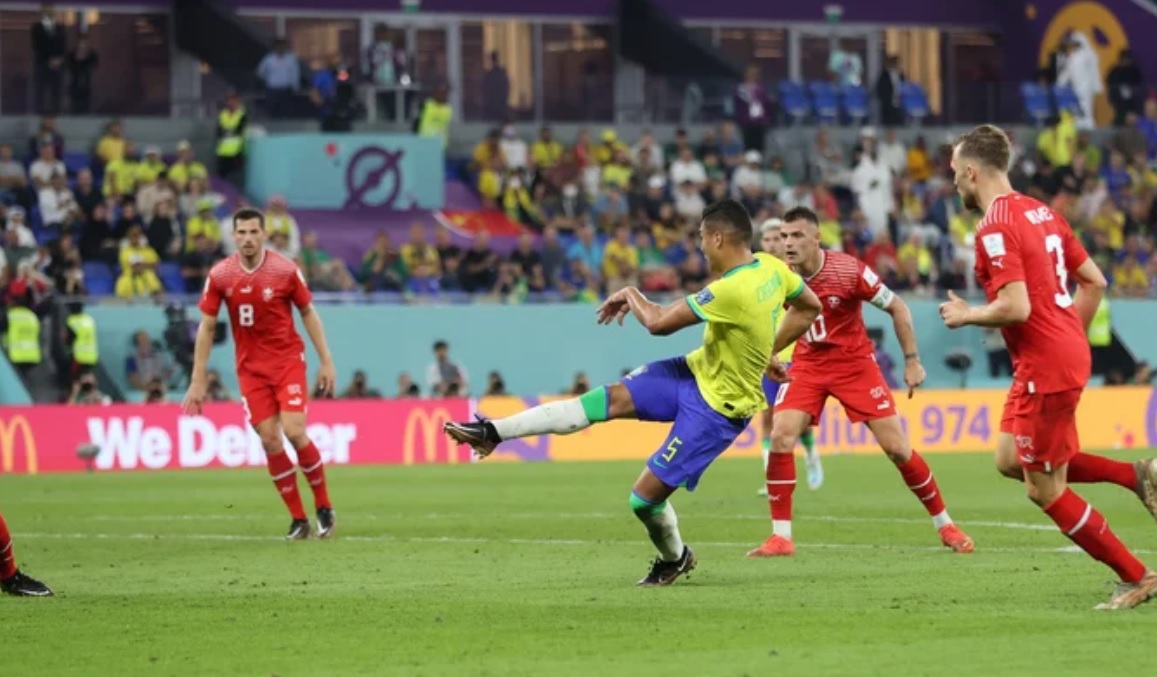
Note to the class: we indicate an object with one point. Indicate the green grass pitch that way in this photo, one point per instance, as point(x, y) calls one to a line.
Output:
point(520, 569)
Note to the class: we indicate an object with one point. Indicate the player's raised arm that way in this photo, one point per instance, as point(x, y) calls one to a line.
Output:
point(658, 320)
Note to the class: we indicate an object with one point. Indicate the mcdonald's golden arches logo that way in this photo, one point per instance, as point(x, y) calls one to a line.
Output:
point(429, 422)
point(8, 430)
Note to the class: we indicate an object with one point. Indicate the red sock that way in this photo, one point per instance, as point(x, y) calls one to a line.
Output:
point(7, 554)
point(309, 458)
point(780, 487)
point(1087, 528)
point(918, 476)
point(285, 479)
point(1090, 469)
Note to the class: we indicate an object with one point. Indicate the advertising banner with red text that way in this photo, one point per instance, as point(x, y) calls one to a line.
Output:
point(935, 420)
point(159, 437)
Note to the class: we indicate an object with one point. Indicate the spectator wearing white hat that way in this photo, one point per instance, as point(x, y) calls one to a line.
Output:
point(186, 167)
point(151, 166)
point(872, 184)
point(45, 166)
point(747, 180)
point(58, 206)
point(16, 223)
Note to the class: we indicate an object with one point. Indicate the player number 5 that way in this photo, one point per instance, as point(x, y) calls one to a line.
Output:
point(672, 449)
point(1056, 247)
point(245, 315)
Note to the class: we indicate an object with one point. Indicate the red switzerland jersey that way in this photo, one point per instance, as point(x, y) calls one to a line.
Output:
point(842, 284)
point(1022, 240)
point(260, 304)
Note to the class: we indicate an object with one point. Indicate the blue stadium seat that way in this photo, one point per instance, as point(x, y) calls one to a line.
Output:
point(856, 103)
point(170, 275)
point(75, 162)
point(826, 101)
point(914, 101)
point(98, 279)
point(1036, 102)
point(793, 100)
point(1067, 100)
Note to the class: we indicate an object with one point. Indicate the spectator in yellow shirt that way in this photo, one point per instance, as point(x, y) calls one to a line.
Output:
point(609, 149)
point(619, 172)
point(151, 167)
point(620, 261)
point(1110, 221)
point(1129, 278)
point(186, 167)
point(137, 281)
point(111, 145)
point(490, 183)
point(919, 164)
point(120, 175)
point(487, 152)
point(419, 252)
point(915, 262)
point(136, 248)
point(205, 224)
point(1058, 142)
point(546, 151)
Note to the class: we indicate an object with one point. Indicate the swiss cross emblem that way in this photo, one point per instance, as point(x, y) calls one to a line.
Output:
point(267, 293)
point(833, 301)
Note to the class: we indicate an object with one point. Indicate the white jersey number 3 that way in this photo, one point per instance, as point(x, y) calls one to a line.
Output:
point(1056, 247)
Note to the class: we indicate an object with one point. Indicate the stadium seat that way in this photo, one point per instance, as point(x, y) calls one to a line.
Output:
point(856, 103)
point(74, 162)
point(1036, 102)
point(914, 101)
point(1067, 100)
point(98, 279)
point(793, 101)
point(170, 275)
point(826, 101)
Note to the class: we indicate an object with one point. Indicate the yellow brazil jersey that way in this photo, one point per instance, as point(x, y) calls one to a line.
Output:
point(742, 310)
point(786, 354)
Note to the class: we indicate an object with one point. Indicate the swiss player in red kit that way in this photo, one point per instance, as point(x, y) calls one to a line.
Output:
point(12, 580)
point(260, 288)
point(835, 358)
point(1026, 254)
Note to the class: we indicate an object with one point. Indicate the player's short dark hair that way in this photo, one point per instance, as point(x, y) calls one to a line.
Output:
point(731, 215)
point(801, 214)
point(987, 144)
point(248, 214)
point(441, 345)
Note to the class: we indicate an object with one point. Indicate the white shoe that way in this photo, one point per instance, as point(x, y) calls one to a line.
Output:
point(815, 471)
point(762, 491)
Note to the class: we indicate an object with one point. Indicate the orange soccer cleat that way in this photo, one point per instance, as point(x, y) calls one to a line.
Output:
point(774, 546)
point(952, 537)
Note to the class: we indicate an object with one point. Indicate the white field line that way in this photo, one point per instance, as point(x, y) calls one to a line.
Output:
point(454, 540)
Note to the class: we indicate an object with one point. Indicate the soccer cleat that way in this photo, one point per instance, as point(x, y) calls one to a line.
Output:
point(480, 435)
point(774, 546)
point(298, 530)
point(1131, 595)
point(1147, 484)
point(665, 573)
point(952, 537)
point(21, 585)
point(325, 522)
point(815, 470)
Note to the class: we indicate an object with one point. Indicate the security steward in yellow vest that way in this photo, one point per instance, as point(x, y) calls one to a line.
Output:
point(231, 124)
point(436, 116)
point(82, 335)
point(22, 338)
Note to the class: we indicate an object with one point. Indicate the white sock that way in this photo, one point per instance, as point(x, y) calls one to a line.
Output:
point(766, 454)
point(781, 528)
point(942, 520)
point(663, 528)
point(562, 418)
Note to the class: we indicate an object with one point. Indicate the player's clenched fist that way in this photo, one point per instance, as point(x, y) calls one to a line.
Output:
point(954, 311)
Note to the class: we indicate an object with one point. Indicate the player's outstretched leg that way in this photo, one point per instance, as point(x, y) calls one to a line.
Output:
point(1140, 477)
point(284, 476)
point(918, 476)
point(559, 418)
point(781, 481)
point(650, 503)
point(309, 460)
point(12, 580)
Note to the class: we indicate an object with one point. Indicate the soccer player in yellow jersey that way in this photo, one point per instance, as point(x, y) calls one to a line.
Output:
point(709, 395)
point(771, 241)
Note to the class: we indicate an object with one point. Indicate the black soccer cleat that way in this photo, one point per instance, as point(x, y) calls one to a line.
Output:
point(298, 530)
point(325, 522)
point(665, 573)
point(21, 585)
point(480, 435)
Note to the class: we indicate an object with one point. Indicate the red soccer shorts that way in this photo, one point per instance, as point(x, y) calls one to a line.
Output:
point(265, 397)
point(857, 384)
point(1043, 425)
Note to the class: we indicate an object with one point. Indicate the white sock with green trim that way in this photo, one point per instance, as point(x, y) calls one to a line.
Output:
point(561, 418)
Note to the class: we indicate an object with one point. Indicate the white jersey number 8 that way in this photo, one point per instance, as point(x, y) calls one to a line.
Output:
point(1056, 247)
point(245, 315)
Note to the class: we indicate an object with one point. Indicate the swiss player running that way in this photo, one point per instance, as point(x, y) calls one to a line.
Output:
point(771, 241)
point(709, 395)
point(260, 288)
point(1025, 256)
point(835, 358)
point(12, 580)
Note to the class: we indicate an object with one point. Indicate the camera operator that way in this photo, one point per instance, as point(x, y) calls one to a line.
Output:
point(86, 392)
point(155, 392)
point(178, 338)
point(215, 389)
